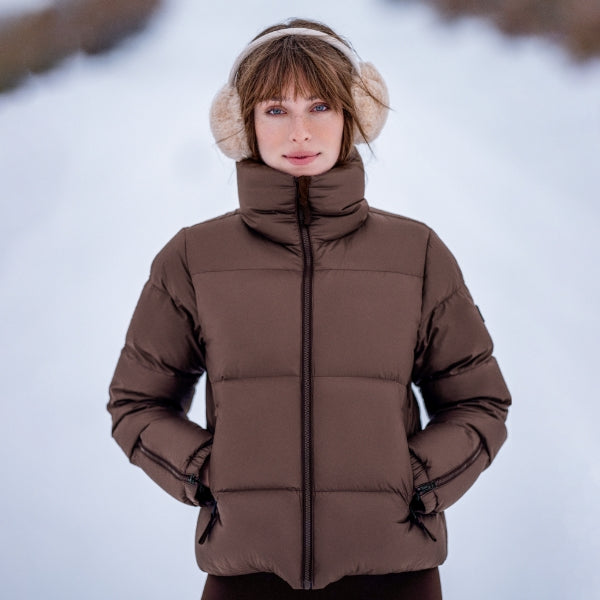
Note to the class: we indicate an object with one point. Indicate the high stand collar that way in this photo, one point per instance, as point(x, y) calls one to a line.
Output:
point(334, 203)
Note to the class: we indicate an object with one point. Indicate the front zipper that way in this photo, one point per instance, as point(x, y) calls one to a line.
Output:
point(304, 217)
point(438, 482)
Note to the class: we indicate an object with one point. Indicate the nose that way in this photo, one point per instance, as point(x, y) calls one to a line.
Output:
point(299, 130)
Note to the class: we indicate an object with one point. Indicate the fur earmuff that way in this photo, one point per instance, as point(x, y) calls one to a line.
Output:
point(227, 124)
point(368, 90)
point(372, 113)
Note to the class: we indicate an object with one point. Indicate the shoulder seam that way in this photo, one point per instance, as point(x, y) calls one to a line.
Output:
point(386, 213)
point(227, 215)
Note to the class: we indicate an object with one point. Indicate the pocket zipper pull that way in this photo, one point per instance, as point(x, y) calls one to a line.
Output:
point(214, 514)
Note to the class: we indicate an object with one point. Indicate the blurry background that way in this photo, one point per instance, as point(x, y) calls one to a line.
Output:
point(105, 152)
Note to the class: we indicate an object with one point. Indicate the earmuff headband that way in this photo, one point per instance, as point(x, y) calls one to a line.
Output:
point(279, 33)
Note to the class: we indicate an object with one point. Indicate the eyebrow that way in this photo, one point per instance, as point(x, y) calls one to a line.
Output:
point(311, 99)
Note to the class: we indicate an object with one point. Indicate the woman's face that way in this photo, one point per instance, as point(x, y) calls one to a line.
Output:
point(299, 136)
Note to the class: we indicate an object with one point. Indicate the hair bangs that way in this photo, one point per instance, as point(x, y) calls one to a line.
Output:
point(289, 68)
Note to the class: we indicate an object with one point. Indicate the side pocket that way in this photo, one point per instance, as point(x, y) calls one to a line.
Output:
point(409, 478)
point(204, 495)
point(403, 424)
point(416, 508)
point(214, 515)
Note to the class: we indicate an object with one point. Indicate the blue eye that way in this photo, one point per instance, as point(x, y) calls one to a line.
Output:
point(275, 111)
point(321, 107)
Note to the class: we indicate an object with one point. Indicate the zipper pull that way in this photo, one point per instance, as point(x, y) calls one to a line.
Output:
point(214, 514)
point(415, 519)
point(425, 487)
point(419, 523)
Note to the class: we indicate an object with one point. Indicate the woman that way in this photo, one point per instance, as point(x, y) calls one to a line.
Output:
point(312, 315)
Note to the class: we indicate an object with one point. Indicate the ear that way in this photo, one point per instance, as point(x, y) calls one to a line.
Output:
point(227, 125)
point(371, 113)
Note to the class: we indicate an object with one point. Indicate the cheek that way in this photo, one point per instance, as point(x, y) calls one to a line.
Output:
point(266, 134)
point(258, 128)
point(337, 130)
point(261, 130)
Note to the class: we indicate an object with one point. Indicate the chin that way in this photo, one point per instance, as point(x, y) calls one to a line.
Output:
point(306, 170)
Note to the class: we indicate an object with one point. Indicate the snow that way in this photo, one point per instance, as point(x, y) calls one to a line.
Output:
point(16, 7)
point(493, 142)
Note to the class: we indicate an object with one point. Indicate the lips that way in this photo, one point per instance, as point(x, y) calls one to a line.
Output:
point(301, 158)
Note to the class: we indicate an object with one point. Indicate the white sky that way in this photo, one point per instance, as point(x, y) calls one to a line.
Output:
point(493, 142)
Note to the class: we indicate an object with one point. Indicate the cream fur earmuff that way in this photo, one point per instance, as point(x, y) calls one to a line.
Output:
point(227, 124)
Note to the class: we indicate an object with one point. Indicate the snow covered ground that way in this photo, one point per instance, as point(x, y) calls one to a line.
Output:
point(493, 142)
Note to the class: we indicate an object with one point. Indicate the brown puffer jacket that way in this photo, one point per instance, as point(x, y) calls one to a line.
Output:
point(311, 314)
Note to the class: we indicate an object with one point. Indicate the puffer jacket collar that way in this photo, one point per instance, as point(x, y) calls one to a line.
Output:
point(268, 201)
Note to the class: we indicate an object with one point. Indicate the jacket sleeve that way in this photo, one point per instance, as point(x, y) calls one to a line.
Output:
point(462, 387)
point(155, 378)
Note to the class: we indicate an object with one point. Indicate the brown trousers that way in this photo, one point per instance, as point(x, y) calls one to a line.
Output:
point(416, 585)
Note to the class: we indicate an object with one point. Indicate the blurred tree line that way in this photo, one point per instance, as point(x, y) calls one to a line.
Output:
point(36, 41)
point(573, 23)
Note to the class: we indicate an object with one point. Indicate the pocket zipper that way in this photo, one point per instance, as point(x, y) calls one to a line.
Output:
point(189, 479)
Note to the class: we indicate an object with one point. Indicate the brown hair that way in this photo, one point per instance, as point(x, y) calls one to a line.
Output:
point(311, 66)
